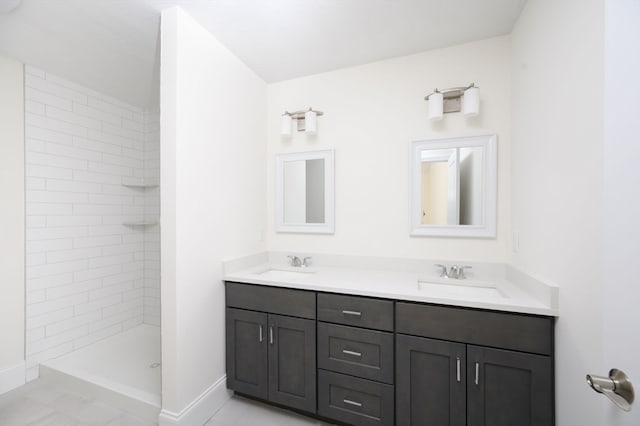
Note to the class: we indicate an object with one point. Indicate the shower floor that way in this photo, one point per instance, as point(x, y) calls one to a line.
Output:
point(126, 365)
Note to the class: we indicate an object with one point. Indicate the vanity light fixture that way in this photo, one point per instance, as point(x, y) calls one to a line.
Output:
point(455, 99)
point(307, 121)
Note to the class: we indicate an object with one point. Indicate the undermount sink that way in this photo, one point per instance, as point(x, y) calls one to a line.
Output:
point(460, 289)
point(286, 273)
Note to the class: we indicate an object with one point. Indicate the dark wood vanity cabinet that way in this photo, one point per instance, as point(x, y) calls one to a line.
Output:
point(445, 383)
point(383, 362)
point(269, 355)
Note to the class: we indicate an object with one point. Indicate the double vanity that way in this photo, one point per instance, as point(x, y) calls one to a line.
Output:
point(392, 342)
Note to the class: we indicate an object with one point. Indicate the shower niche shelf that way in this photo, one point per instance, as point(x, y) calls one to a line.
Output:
point(139, 223)
point(136, 183)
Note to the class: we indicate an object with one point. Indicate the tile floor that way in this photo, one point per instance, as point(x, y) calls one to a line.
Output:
point(44, 403)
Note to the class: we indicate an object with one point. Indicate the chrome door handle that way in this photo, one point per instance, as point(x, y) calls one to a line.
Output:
point(260, 327)
point(356, 313)
point(271, 335)
point(350, 402)
point(348, 352)
point(458, 369)
point(477, 380)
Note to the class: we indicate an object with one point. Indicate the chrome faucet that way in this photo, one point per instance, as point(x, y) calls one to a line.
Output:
point(294, 261)
point(455, 272)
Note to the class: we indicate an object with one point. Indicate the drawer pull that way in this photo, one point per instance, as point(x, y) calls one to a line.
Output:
point(260, 333)
point(271, 335)
point(477, 381)
point(348, 352)
point(350, 402)
point(458, 369)
point(355, 313)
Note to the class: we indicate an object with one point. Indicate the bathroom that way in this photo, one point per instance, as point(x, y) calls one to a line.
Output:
point(552, 88)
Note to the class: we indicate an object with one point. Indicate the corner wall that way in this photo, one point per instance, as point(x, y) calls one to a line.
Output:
point(557, 170)
point(12, 246)
point(371, 114)
point(213, 110)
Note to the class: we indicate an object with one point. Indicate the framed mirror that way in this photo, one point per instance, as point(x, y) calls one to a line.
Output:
point(453, 187)
point(305, 192)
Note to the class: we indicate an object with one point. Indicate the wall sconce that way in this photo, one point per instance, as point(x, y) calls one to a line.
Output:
point(455, 99)
point(307, 121)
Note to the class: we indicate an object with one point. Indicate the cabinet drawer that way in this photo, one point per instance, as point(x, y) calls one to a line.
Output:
point(356, 351)
point(354, 310)
point(526, 333)
point(283, 301)
point(355, 401)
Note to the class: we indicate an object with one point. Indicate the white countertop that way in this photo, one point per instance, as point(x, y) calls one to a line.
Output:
point(519, 293)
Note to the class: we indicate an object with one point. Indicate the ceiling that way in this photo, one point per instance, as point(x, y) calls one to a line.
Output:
point(112, 45)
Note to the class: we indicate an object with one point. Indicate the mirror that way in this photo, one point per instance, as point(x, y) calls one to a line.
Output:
point(304, 192)
point(453, 187)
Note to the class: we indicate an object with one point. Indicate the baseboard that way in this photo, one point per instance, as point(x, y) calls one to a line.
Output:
point(200, 409)
point(12, 377)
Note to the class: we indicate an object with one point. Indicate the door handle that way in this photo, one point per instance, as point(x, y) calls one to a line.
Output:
point(260, 328)
point(458, 369)
point(477, 380)
point(271, 334)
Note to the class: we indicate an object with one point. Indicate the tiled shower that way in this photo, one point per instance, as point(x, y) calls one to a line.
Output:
point(92, 206)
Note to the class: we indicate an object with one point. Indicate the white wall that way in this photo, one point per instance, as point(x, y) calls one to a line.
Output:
point(213, 126)
point(85, 270)
point(557, 181)
point(12, 228)
point(621, 200)
point(372, 113)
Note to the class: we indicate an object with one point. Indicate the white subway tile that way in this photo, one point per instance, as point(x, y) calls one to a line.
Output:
point(33, 259)
point(49, 318)
point(47, 98)
point(134, 125)
point(73, 220)
point(54, 124)
point(97, 304)
point(133, 238)
point(35, 183)
point(96, 114)
point(55, 89)
point(136, 154)
point(110, 169)
point(35, 359)
point(67, 290)
point(72, 186)
point(41, 159)
point(120, 160)
point(55, 197)
point(110, 290)
point(36, 296)
point(74, 254)
point(48, 245)
point(110, 321)
point(108, 230)
point(58, 339)
point(46, 135)
point(73, 118)
point(96, 209)
point(48, 281)
point(111, 108)
point(36, 221)
point(122, 277)
point(121, 141)
point(83, 176)
point(71, 323)
point(123, 248)
point(71, 85)
point(136, 293)
point(34, 107)
point(89, 144)
point(34, 145)
point(46, 171)
point(121, 307)
point(72, 152)
point(36, 309)
point(91, 274)
point(35, 209)
point(41, 271)
point(34, 334)
point(133, 210)
point(59, 232)
point(126, 133)
point(110, 199)
point(102, 261)
point(99, 241)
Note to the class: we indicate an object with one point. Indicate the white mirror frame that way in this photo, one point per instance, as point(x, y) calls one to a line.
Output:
point(489, 188)
point(328, 227)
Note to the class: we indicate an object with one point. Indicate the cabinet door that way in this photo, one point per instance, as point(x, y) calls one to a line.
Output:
point(292, 362)
point(430, 382)
point(247, 352)
point(508, 388)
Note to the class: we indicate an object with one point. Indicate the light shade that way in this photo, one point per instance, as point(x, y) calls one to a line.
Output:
point(310, 122)
point(436, 102)
point(471, 102)
point(285, 125)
